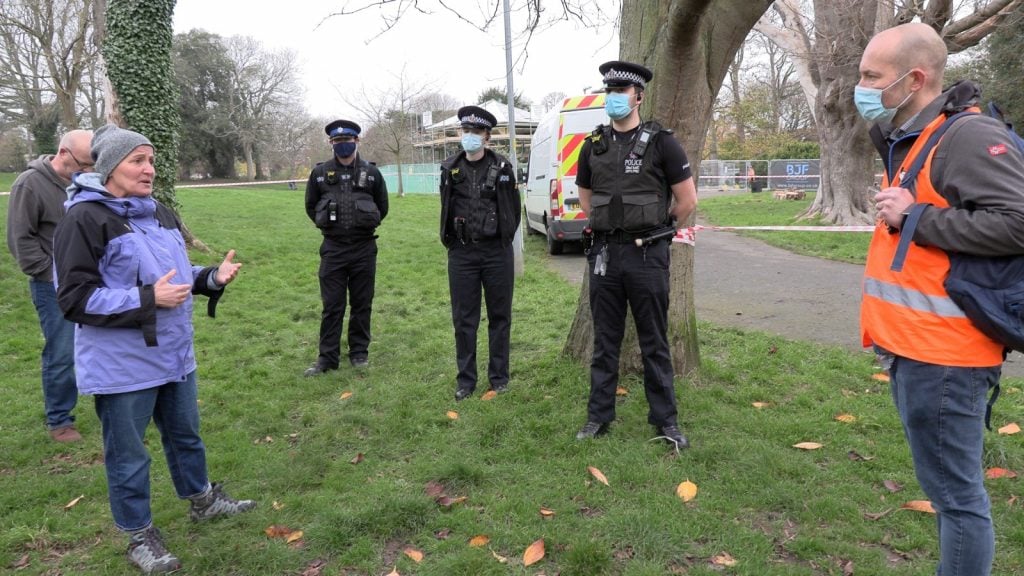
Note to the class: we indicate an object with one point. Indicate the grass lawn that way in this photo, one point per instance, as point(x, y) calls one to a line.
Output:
point(6, 179)
point(763, 210)
point(353, 472)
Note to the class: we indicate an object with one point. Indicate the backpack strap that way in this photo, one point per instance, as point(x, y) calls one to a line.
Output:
point(909, 180)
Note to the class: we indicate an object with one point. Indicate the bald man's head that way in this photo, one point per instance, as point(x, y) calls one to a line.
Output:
point(74, 154)
point(907, 62)
point(919, 46)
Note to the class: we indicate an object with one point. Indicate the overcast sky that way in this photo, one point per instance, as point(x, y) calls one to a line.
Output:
point(342, 52)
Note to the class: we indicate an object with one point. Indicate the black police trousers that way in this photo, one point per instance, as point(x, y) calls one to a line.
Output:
point(490, 266)
point(347, 271)
point(641, 281)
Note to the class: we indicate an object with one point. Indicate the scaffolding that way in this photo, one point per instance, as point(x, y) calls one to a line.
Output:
point(442, 139)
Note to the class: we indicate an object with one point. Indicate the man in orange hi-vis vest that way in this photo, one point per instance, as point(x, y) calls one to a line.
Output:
point(971, 193)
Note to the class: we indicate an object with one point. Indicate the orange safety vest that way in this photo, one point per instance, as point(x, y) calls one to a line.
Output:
point(909, 313)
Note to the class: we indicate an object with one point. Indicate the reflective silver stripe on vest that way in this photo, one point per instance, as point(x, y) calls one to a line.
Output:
point(895, 294)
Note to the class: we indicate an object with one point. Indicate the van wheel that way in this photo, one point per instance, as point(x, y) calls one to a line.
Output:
point(555, 247)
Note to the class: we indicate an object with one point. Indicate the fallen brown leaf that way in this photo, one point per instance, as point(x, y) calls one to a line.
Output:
point(297, 535)
point(598, 475)
point(846, 418)
point(71, 504)
point(1011, 428)
point(480, 540)
point(448, 501)
point(993, 473)
point(686, 490)
point(433, 489)
point(277, 531)
point(22, 562)
point(547, 512)
point(415, 554)
point(499, 557)
point(919, 506)
point(807, 445)
point(1012, 500)
point(276, 505)
point(724, 559)
point(760, 404)
point(881, 377)
point(346, 395)
point(620, 391)
point(394, 572)
point(443, 533)
point(314, 568)
point(892, 486)
point(878, 515)
point(848, 568)
point(452, 415)
point(853, 455)
point(489, 395)
point(357, 459)
point(533, 553)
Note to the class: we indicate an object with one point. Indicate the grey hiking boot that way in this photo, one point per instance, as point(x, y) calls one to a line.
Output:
point(672, 434)
point(147, 551)
point(217, 503)
point(592, 430)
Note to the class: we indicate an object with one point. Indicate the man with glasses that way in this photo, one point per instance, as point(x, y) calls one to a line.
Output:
point(36, 206)
point(346, 198)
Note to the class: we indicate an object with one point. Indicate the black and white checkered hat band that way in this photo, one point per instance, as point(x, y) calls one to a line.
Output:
point(614, 75)
point(474, 119)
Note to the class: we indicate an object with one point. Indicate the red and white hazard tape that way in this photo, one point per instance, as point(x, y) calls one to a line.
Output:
point(689, 235)
point(230, 184)
point(223, 185)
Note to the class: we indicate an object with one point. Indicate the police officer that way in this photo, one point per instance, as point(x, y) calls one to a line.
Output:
point(347, 199)
point(479, 217)
point(629, 175)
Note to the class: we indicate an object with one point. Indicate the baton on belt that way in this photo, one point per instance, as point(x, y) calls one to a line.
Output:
point(666, 232)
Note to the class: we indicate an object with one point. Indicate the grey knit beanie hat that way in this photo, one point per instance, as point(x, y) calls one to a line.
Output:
point(110, 144)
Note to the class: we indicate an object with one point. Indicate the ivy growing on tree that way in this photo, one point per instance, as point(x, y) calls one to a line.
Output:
point(137, 51)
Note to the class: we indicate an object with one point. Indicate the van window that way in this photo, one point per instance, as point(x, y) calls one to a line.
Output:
point(579, 123)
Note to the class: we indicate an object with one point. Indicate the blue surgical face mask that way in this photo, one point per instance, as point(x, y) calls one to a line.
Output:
point(869, 102)
point(616, 105)
point(472, 142)
point(344, 149)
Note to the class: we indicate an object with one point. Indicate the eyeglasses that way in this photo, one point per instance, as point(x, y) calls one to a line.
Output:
point(82, 165)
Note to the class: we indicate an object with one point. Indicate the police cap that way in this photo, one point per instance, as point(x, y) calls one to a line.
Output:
point(476, 117)
point(618, 74)
point(342, 128)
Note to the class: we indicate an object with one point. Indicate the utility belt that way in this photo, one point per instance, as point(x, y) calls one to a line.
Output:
point(621, 237)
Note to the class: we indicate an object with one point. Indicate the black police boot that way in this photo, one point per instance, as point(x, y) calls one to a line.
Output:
point(318, 369)
point(592, 430)
point(500, 388)
point(672, 435)
point(359, 361)
point(462, 393)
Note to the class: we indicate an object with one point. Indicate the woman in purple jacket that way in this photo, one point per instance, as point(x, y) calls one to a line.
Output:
point(123, 276)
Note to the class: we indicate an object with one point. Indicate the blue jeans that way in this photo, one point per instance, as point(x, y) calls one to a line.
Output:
point(175, 410)
point(60, 394)
point(943, 413)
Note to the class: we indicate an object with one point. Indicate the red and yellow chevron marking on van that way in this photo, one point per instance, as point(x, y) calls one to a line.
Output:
point(569, 146)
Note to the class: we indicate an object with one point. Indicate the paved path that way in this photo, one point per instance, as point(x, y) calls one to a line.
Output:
point(744, 283)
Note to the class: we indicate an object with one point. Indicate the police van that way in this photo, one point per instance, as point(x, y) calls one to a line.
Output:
point(552, 202)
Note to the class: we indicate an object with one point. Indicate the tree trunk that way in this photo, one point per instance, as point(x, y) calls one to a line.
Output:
point(843, 29)
point(250, 165)
point(689, 44)
point(398, 173)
